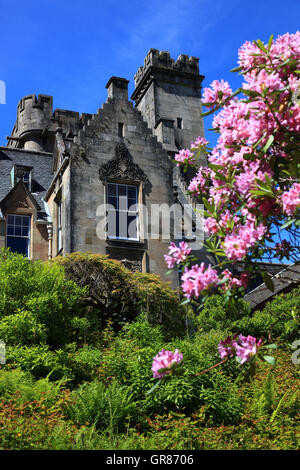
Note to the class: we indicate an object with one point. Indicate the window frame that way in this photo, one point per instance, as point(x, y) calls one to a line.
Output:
point(130, 213)
point(59, 226)
point(27, 237)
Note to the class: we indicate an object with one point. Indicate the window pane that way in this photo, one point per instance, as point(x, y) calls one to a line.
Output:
point(18, 230)
point(112, 217)
point(122, 190)
point(10, 220)
point(132, 192)
point(123, 225)
point(10, 230)
point(132, 204)
point(18, 245)
point(132, 228)
point(18, 220)
point(25, 231)
point(112, 189)
point(113, 201)
point(123, 203)
point(25, 221)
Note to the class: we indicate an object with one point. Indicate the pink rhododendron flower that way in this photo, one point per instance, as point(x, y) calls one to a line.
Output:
point(211, 225)
point(291, 199)
point(226, 347)
point(246, 347)
point(199, 143)
point(242, 281)
point(177, 254)
point(184, 156)
point(165, 360)
point(197, 279)
point(218, 91)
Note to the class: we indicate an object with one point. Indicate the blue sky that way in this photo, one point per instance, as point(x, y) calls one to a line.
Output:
point(69, 49)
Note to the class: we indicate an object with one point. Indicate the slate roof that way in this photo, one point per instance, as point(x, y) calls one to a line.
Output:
point(41, 163)
point(285, 279)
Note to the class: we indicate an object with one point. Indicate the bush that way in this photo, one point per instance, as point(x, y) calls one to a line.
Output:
point(37, 303)
point(40, 361)
point(129, 359)
point(22, 328)
point(216, 315)
point(117, 294)
point(279, 319)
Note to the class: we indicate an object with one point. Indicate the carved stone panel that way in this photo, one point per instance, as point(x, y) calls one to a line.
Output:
point(123, 167)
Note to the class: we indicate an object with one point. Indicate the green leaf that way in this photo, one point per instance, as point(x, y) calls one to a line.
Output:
point(288, 224)
point(270, 359)
point(268, 281)
point(208, 206)
point(261, 45)
point(270, 42)
point(154, 387)
point(271, 346)
point(186, 301)
point(237, 69)
point(268, 144)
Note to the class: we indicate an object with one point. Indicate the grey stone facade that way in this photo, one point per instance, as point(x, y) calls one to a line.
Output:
point(74, 157)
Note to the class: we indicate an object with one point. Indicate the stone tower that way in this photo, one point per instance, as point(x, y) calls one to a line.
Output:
point(168, 94)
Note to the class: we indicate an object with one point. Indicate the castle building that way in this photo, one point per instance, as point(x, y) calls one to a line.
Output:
point(71, 182)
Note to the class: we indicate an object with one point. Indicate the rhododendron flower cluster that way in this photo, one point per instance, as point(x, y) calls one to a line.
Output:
point(244, 347)
point(219, 91)
point(291, 199)
point(197, 279)
point(177, 254)
point(184, 156)
point(163, 362)
point(232, 281)
point(251, 182)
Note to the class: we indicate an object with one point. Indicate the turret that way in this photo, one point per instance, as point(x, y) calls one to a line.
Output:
point(168, 94)
point(33, 116)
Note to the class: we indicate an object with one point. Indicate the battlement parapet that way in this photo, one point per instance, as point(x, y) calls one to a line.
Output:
point(162, 60)
point(43, 102)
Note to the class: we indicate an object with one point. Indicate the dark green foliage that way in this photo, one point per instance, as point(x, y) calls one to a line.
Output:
point(117, 294)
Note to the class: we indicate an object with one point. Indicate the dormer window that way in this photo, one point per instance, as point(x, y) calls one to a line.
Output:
point(22, 173)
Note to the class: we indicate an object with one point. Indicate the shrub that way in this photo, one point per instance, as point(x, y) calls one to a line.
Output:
point(216, 315)
point(40, 361)
point(22, 328)
point(40, 300)
point(129, 359)
point(280, 318)
point(120, 295)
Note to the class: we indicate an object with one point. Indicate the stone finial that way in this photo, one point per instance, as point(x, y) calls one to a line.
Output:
point(117, 88)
